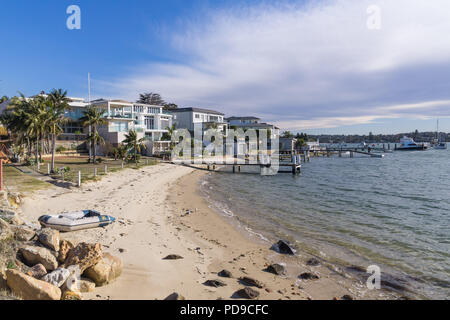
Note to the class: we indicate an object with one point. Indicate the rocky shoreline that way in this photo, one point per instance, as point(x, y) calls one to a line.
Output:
point(38, 264)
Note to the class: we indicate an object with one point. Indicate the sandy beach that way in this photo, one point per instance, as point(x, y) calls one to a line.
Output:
point(150, 205)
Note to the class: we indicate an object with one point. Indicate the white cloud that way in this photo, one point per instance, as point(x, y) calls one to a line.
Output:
point(314, 65)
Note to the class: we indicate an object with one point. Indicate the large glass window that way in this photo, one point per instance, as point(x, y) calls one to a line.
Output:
point(119, 127)
point(149, 123)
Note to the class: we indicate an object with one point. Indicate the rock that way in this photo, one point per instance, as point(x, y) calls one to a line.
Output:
point(86, 285)
point(283, 247)
point(71, 295)
point(313, 262)
point(84, 255)
point(64, 247)
point(308, 276)
point(5, 230)
point(173, 257)
point(214, 283)
point(175, 296)
point(34, 255)
point(225, 274)
point(105, 271)
point(347, 297)
point(30, 288)
point(37, 271)
point(277, 269)
point(23, 233)
point(251, 282)
point(57, 277)
point(49, 238)
point(247, 293)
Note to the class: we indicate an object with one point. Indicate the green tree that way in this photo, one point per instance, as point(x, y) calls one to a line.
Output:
point(58, 104)
point(151, 99)
point(93, 118)
point(133, 143)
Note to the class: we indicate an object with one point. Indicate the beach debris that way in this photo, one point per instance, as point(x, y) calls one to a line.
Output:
point(173, 257)
point(86, 285)
point(308, 276)
point(225, 274)
point(29, 288)
point(23, 233)
point(49, 238)
point(84, 255)
point(5, 230)
point(313, 262)
point(37, 271)
point(175, 296)
point(247, 293)
point(57, 277)
point(251, 282)
point(105, 271)
point(283, 247)
point(277, 269)
point(122, 250)
point(34, 255)
point(214, 283)
point(64, 247)
point(346, 297)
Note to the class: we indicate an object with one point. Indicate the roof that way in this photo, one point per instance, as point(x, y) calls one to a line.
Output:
point(256, 125)
point(242, 118)
point(197, 110)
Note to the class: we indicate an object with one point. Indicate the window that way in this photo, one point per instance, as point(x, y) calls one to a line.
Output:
point(149, 123)
point(197, 116)
point(119, 127)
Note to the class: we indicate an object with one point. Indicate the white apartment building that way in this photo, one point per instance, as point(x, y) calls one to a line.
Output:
point(187, 118)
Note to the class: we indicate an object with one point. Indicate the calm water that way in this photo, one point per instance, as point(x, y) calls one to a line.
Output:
point(393, 212)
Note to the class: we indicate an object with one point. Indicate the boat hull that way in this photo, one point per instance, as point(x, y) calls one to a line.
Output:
point(75, 221)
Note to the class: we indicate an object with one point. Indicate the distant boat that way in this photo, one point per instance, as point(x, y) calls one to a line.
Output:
point(438, 144)
point(408, 144)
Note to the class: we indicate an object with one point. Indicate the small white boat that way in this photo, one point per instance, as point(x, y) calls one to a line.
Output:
point(73, 221)
point(408, 144)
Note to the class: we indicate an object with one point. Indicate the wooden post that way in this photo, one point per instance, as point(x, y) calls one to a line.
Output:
point(95, 172)
point(79, 178)
point(48, 168)
point(106, 169)
point(38, 166)
point(122, 164)
point(239, 169)
point(1, 174)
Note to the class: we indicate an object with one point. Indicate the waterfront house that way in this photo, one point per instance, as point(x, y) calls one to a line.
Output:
point(188, 118)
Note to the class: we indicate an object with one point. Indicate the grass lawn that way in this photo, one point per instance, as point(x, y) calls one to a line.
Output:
point(16, 181)
point(75, 164)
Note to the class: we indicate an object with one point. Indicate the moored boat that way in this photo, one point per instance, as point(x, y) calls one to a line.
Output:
point(73, 221)
point(408, 144)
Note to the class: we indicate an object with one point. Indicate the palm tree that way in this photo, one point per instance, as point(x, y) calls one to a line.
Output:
point(93, 117)
point(171, 130)
point(133, 143)
point(95, 139)
point(58, 104)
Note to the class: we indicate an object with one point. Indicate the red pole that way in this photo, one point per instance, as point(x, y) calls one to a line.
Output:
point(1, 174)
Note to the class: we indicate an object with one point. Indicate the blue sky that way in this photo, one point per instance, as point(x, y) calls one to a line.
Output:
point(309, 66)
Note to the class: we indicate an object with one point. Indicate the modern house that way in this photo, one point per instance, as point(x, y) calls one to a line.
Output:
point(188, 118)
point(253, 123)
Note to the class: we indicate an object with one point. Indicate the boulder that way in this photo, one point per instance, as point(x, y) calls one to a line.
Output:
point(175, 296)
point(71, 295)
point(277, 269)
point(308, 276)
point(247, 293)
point(84, 255)
point(23, 233)
point(313, 262)
point(37, 271)
point(225, 274)
point(58, 277)
point(10, 216)
point(34, 255)
point(214, 283)
point(283, 247)
point(5, 230)
point(64, 247)
point(86, 285)
point(29, 288)
point(173, 257)
point(49, 238)
point(251, 282)
point(105, 271)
